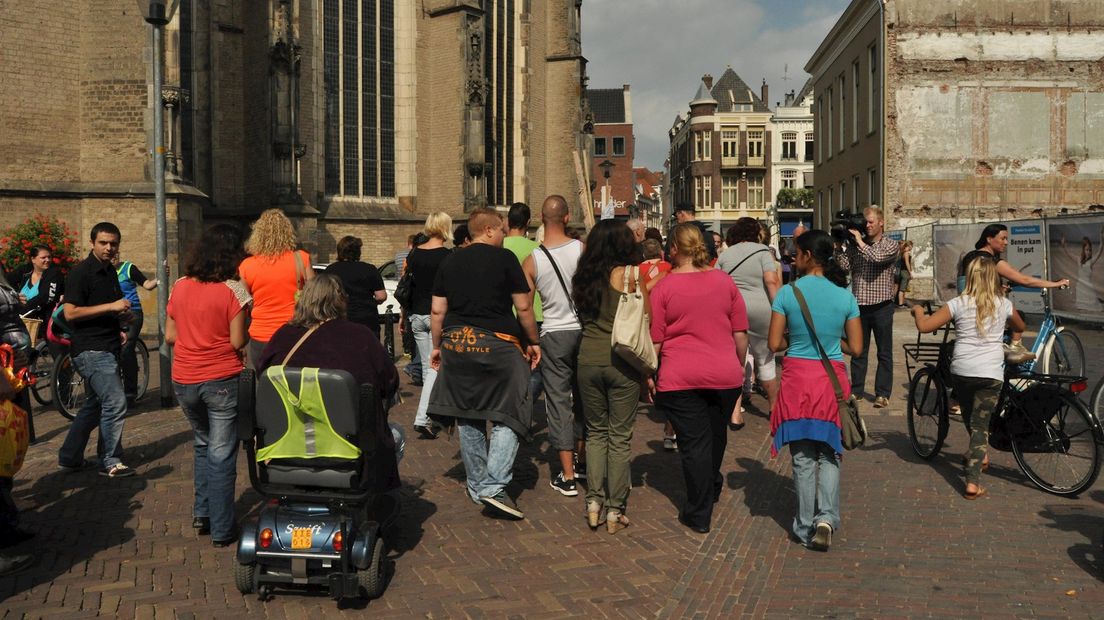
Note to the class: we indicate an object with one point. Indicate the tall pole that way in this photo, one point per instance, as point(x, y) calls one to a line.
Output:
point(162, 235)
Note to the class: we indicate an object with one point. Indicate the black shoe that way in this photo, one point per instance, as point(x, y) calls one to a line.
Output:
point(502, 504)
point(427, 432)
point(14, 536)
point(12, 564)
point(735, 427)
point(202, 525)
point(701, 529)
point(563, 485)
point(226, 542)
point(580, 469)
point(85, 464)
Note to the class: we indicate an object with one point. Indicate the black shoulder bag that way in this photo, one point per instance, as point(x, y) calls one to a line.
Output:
point(559, 276)
point(404, 290)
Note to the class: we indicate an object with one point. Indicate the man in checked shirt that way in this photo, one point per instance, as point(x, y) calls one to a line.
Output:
point(871, 260)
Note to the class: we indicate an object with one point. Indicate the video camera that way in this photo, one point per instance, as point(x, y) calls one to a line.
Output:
point(844, 223)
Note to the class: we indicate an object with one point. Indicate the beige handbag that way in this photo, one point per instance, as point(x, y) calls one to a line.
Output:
point(632, 336)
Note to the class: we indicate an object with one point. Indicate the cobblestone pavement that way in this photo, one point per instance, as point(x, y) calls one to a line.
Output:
point(909, 546)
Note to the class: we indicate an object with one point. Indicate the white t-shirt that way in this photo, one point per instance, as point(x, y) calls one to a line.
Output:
point(978, 354)
point(556, 305)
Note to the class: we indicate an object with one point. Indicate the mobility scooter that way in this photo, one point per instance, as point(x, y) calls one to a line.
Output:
point(305, 431)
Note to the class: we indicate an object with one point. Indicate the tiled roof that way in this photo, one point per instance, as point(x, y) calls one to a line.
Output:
point(702, 96)
point(730, 91)
point(647, 176)
point(607, 104)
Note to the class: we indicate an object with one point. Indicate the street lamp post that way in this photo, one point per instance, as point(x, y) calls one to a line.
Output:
point(157, 14)
point(607, 197)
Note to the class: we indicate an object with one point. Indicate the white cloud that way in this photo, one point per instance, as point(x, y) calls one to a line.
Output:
point(662, 48)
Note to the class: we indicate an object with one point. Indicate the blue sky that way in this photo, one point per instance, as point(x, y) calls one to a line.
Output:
point(662, 47)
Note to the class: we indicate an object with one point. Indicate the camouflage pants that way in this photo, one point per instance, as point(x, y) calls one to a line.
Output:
point(977, 396)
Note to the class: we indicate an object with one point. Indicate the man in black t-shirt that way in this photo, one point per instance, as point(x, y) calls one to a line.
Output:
point(362, 282)
point(95, 307)
point(684, 212)
point(483, 369)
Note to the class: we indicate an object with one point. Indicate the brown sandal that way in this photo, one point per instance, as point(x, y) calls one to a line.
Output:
point(976, 494)
point(616, 521)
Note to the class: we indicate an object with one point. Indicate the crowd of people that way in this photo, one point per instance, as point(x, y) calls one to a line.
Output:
point(499, 319)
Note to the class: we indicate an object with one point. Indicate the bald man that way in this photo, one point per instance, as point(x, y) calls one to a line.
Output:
point(549, 270)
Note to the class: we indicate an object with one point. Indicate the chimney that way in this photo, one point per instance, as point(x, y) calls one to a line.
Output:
point(708, 79)
point(763, 93)
point(789, 98)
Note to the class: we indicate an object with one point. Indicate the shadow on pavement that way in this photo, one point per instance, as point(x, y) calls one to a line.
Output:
point(1078, 518)
point(660, 470)
point(765, 492)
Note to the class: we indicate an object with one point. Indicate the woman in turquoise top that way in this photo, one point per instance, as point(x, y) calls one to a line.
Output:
point(42, 285)
point(806, 416)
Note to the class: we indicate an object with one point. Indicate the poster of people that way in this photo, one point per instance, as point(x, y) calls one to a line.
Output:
point(1076, 246)
point(1025, 252)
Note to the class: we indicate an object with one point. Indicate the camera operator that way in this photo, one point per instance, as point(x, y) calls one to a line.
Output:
point(870, 260)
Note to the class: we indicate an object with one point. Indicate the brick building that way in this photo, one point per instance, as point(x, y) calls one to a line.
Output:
point(792, 158)
point(991, 110)
point(354, 116)
point(720, 155)
point(612, 149)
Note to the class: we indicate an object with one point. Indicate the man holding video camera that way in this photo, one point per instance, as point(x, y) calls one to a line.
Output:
point(870, 260)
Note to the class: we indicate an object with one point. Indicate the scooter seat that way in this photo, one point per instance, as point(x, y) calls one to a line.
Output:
point(323, 478)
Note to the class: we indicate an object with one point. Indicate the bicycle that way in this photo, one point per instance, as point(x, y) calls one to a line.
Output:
point(68, 385)
point(1056, 441)
point(1058, 349)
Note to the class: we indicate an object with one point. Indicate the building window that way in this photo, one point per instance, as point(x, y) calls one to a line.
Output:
point(358, 52)
point(789, 145)
point(842, 110)
point(809, 146)
point(730, 192)
point(855, 101)
point(703, 145)
point(618, 147)
point(755, 146)
point(703, 192)
point(872, 186)
point(871, 87)
point(831, 197)
point(855, 193)
point(755, 192)
point(828, 121)
point(730, 144)
point(600, 147)
point(842, 194)
point(789, 179)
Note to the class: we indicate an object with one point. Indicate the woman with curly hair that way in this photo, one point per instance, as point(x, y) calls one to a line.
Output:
point(206, 326)
point(608, 386)
point(274, 273)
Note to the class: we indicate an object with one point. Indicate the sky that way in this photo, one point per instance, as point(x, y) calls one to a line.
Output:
point(661, 48)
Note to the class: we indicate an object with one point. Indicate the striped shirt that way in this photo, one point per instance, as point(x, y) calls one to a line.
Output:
point(871, 268)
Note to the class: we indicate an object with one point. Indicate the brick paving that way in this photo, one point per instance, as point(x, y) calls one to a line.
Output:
point(909, 546)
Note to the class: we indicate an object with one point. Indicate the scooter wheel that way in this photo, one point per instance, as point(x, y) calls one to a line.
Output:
point(245, 577)
point(372, 579)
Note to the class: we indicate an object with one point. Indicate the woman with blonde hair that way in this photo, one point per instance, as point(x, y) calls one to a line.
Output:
point(698, 314)
point(423, 262)
point(274, 273)
point(980, 315)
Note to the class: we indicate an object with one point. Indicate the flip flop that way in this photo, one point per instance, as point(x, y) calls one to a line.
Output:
point(981, 491)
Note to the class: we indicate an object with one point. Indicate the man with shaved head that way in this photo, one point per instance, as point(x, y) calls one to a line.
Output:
point(484, 356)
point(549, 270)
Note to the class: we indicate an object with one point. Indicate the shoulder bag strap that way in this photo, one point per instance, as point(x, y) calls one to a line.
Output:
point(745, 260)
point(812, 332)
point(300, 270)
point(298, 344)
point(559, 276)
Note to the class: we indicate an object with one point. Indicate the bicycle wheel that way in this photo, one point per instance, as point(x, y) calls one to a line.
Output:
point(1064, 355)
point(141, 355)
point(927, 413)
point(1096, 403)
point(68, 387)
point(1054, 440)
point(43, 371)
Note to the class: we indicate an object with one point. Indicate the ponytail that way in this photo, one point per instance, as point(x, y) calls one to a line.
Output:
point(819, 244)
point(688, 240)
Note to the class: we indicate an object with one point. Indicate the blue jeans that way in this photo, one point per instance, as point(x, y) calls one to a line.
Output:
point(489, 468)
point(423, 338)
point(104, 406)
point(211, 409)
point(817, 488)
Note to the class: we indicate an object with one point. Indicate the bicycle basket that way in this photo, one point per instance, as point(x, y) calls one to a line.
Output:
point(1030, 417)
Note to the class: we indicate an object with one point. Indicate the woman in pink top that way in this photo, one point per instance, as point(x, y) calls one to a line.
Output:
point(697, 316)
point(274, 273)
point(206, 325)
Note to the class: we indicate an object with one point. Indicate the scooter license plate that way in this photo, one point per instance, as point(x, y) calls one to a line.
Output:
point(301, 538)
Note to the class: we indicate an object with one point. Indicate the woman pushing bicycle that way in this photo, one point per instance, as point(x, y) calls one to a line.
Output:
point(980, 314)
point(991, 244)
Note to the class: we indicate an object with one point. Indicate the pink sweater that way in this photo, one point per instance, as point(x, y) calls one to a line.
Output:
point(693, 317)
